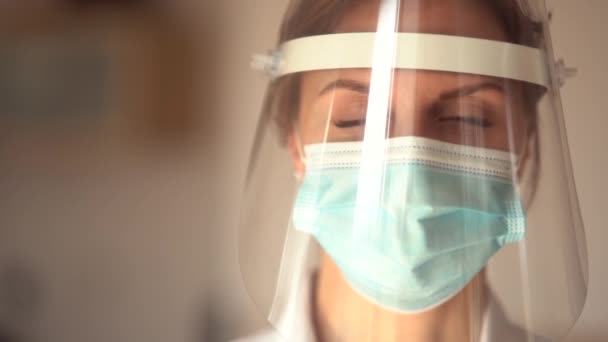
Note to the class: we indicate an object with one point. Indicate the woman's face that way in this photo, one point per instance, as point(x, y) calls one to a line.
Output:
point(456, 108)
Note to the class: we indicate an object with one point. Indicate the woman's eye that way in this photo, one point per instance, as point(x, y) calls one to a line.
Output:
point(467, 120)
point(349, 123)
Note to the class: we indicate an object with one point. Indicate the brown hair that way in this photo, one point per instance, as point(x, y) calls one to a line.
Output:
point(316, 17)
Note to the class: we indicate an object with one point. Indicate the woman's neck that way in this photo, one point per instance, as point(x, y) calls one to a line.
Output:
point(341, 314)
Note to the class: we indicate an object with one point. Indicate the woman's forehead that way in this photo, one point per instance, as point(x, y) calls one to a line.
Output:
point(468, 18)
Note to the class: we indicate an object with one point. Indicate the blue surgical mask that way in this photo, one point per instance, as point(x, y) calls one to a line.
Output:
point(410, 232)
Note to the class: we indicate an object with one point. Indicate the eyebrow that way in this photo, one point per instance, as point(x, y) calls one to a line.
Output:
point(469, 90)
point(363, 88)
point(351, 85)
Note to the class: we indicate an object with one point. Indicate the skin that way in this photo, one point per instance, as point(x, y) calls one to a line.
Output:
point(455, 108)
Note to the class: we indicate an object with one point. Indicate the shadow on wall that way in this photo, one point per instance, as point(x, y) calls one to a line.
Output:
point(5, 337)
point(20, 301)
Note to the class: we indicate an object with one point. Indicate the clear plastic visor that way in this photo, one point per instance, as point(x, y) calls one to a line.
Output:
point(411, 177)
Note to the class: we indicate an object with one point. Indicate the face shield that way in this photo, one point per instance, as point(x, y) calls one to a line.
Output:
point(411, 170)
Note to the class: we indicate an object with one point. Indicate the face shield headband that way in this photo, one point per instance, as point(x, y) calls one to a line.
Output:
point(409, 51)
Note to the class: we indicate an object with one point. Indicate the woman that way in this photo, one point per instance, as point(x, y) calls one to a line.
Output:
point(412, 128)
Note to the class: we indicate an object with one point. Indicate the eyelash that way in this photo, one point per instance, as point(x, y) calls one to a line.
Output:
point(349, 123)
point(470, 120)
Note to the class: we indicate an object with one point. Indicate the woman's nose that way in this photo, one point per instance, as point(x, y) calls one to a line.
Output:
point(407, 115)
point(406, 123)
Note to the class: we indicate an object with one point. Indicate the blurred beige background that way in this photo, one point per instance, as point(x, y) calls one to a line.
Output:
point(120, 233)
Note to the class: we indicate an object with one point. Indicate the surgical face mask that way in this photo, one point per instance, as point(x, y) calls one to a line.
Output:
point(409, 232)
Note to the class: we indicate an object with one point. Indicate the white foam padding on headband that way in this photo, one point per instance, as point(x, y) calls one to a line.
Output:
point(417, 51)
